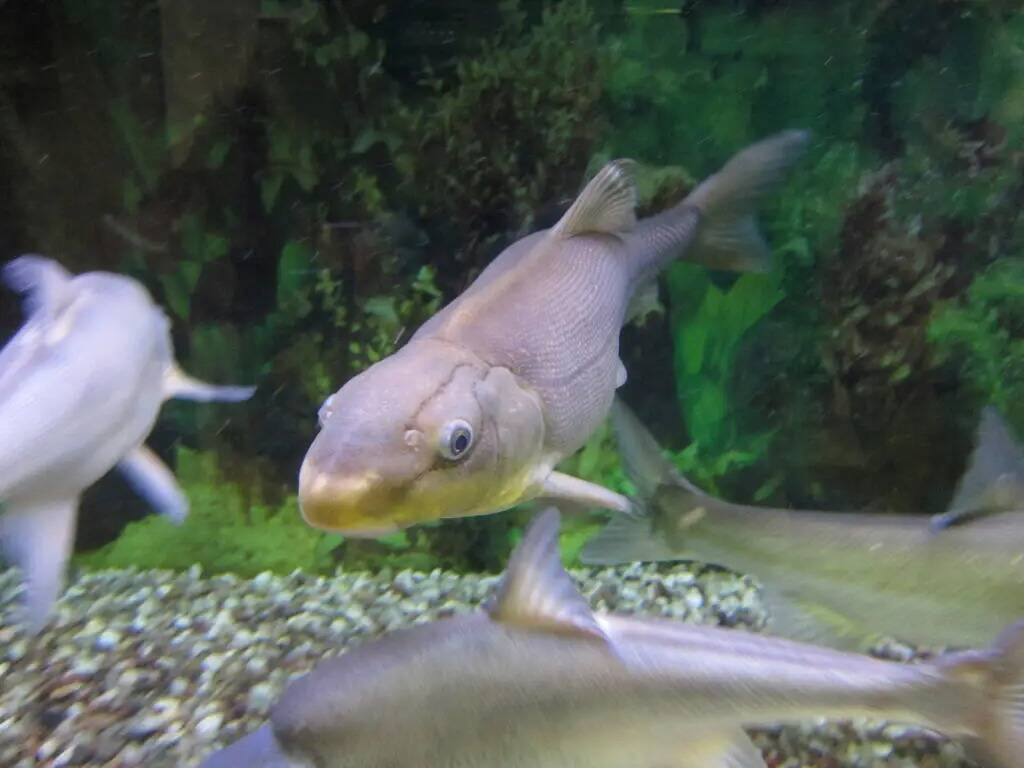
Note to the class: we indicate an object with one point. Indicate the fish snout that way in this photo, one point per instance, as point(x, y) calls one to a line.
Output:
point(344, 503)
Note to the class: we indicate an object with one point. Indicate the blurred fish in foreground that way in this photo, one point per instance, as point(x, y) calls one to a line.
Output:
point(839, 577)
point(472, 415)
point(538, 680)
point(81, 385)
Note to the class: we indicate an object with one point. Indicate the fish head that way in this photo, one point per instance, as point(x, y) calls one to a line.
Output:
point(430, 432)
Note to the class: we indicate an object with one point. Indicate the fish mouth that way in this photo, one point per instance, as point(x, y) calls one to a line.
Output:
point(358, 506)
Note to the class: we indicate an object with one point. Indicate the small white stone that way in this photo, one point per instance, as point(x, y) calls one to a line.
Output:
point(108, 640)
point(209, 726)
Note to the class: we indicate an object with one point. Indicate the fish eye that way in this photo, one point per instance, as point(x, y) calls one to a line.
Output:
point(325, 411)
point(456, 439)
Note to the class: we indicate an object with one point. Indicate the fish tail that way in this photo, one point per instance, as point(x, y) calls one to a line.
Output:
point(995, 680)
point(629, 539)
point(729, 237)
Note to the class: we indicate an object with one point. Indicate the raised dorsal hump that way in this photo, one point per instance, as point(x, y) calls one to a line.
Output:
point(607, 204)
point(536, 592)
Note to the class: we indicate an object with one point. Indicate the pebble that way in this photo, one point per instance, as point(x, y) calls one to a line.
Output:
point(158, 668)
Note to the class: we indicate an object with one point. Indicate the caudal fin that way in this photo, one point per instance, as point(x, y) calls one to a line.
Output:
point(728, 201)
point(994, 479)
point(995, 678)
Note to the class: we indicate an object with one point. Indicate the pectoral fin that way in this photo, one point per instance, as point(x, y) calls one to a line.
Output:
point(152, 480)
point(561, 486)
point(178, 384)
point(37, 537)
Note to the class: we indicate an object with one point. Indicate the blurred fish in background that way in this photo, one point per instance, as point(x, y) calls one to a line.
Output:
point(837, 577)
point(81, 385)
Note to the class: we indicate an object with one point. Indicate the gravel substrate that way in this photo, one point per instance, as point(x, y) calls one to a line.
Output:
point(156, 668)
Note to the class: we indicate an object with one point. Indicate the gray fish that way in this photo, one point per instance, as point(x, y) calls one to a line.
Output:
point(472, 415)
point(81, 385)
point(538, 680)
point(843, 577)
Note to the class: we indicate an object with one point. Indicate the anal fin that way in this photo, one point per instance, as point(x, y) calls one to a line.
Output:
point(37, 537)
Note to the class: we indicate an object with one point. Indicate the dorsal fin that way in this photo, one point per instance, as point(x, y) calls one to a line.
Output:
point(607, 204)
point(43, 281)
point(994, 480)
point(536, 591)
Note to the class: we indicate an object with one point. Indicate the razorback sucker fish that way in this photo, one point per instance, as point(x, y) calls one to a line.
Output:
point(81, 385)
point(537, 680)
point(474, 412)
point(843, 577)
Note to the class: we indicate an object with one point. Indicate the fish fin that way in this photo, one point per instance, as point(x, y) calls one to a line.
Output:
point(260, 749)
point(152, 480)
point(178, 384)
point(43, 281)
point(558, 485)
point(732, 749)
point(626, 540)
point(607, 204)
point(645, 464)
point(644, 302)
point(38, 538)
point(810, 622)
point(620, 375)
point(537, 592)
point(729, 237)
point(994, 480)
point(996, 675)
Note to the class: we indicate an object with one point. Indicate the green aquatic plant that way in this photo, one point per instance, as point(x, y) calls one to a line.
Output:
point(982, 337)
point(477, 185)
point(229, 529)
point(692, 88)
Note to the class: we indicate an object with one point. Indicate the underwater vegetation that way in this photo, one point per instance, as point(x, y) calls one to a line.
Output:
point(333, 177)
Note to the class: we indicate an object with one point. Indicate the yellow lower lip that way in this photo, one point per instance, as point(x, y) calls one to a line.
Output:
point(352, 506)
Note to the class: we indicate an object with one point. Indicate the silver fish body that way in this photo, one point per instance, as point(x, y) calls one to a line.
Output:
point(840, 578)
point(538, 681)
point(78, 393)
point(81, 386)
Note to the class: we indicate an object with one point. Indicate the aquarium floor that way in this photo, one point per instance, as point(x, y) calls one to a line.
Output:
point(156, 668)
